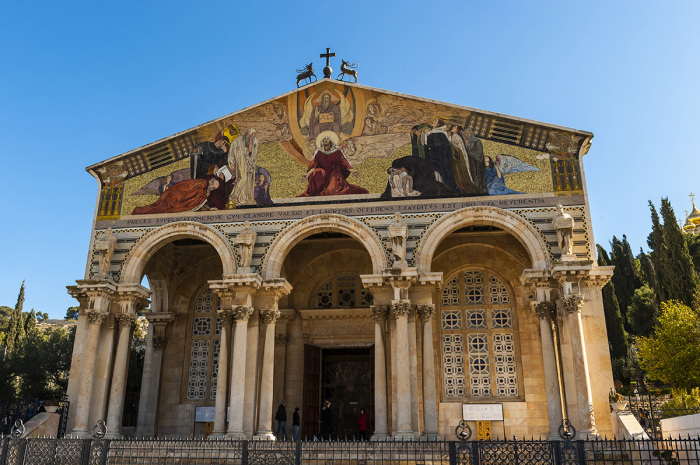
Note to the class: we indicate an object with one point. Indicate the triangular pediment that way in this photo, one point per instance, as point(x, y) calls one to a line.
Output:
point(381, 145)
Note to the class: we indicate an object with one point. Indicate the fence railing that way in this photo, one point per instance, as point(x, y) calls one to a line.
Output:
point(15, 451)
point(17, 408)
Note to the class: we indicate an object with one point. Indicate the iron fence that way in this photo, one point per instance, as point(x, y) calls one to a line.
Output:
point(15, 451)
point(18, 408)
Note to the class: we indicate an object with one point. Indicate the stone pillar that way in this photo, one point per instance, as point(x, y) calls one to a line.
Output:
point(252, 370)
point(545, 311)
point(241, 314)
point(400, 310)
point(226, 317)
point(150, 382)
point(573, 306)
point(413, 371)
point(115, 407)
point(81, 428)
point(381, 423)
point(269, 317)
point(430, 433)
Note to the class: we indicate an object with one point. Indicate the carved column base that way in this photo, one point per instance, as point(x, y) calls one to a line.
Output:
point(264, 437)
point(587, 434)
point(404, 436)
point(236, 435)
point(430, 437)
point(380, 437)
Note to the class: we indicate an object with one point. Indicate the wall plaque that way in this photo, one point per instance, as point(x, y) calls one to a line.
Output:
point(482, 412)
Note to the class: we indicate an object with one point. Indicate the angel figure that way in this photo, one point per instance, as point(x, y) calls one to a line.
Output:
point(504, 164)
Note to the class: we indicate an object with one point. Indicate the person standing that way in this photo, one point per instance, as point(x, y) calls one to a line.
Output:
point(326, 417)
point(281, 417)
point(295, 424)
point(362, 425)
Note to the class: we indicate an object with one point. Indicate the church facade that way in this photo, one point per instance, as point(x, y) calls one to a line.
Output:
point(426, 262)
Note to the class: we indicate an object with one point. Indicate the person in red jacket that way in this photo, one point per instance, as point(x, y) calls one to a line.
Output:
point(362, 425)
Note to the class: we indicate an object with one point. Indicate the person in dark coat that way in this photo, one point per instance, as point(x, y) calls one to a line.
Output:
point(326, 417)
point(362, 425)
point(295, 424)
point(281, 417)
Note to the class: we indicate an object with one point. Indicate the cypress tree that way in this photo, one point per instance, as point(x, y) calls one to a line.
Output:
point(617, 337)
point(15, 330)
point(660, 257)
point(626, 277)
point(682, 280)
point(648, 273)
point(30, 323)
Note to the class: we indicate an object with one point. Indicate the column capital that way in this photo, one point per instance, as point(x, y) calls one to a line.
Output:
point(96, 316)
point(242, 312)
point(159, 321)
point(571, 304)
point(401, 308)
point(226, 316)
point(159, 342)
point(125, 319)
point(379, 312)
point(544, 309)
point(281, 339)
point(269, 316)
point(426, 311)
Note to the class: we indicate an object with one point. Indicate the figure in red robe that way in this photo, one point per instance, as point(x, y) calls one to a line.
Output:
point(327, 174)
point(188, 195)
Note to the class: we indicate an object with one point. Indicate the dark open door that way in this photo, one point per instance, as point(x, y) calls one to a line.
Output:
point(312, 395)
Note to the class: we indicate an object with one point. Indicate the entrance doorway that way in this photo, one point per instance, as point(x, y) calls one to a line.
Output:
point(345, 376)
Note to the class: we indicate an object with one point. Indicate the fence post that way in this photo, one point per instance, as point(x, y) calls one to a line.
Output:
point(581, 449)
point(297, 453)
point(452, 452)
point(244, 453)
point(476, 445)
point(556, 451)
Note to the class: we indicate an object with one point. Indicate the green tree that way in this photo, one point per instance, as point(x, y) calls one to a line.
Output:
point(683, 282)
point(672, 354)
point(626, 277)
point(72, 313)
point(617, 337)
point(648, 272)
point(642, 314)
point(15, 331)
point(30, 323)
point(659, 253)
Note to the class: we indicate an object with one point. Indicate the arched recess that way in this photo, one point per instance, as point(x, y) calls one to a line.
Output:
point(295, 233)
point(150, 243)
point(487, 216)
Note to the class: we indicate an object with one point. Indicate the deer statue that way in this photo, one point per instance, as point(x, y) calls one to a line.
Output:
point(306, 73)
point(348, 69)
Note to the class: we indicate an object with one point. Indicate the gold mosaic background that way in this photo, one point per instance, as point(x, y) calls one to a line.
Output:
point(530, 181)
point(132, 185)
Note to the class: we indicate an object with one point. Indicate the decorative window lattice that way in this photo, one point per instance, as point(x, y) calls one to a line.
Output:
point(199, 370)
point(498, 293)
point(479, 367)
point(202, 326)
point(474, 287)
point(476, 319)
point(506, 374)
point(453, 361)
point(451, 319)
point(487, 365)
point(347, 285)
point(215, 368)
point(450, 295)
point(343, 291)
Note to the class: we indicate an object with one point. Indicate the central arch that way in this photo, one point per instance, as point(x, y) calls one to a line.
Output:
point(295, 233)
point(149, 244)
point(523, 231)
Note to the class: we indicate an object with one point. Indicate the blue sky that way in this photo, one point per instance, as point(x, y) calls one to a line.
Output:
point(83, 81)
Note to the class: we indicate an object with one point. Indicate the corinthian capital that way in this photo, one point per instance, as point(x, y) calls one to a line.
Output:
point(544, 309)
point(573, 303)
point(242, 312)
point(426, 312)
point(379, 312)
point(400, 307)
point(95, 316)
point(125, 319)
point(269, 316)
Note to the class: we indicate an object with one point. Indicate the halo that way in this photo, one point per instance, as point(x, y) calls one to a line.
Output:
point(330, 134)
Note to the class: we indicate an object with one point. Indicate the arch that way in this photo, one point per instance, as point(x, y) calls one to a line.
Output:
point(296, 232)
point(525, 233)
point(149, 244)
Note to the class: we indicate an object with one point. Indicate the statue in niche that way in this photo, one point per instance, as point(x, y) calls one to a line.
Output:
point(398, 232)
point(246, 242)
point(564, 225)
point(104, 249)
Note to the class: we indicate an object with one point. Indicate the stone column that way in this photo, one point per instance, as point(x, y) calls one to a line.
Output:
point(150, 383)
point(226, 317)
point(241, 314)
point(400, 310)
point(115, 407)
point(584, 397)
point(430, 433)
point(413, 371)
point(381, 423)
point(95, 319)
point(545, 312)
point(269, 318)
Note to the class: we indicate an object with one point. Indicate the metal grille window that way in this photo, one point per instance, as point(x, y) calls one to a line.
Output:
point(478, 343)
point(344, 291)
point(204, 348)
